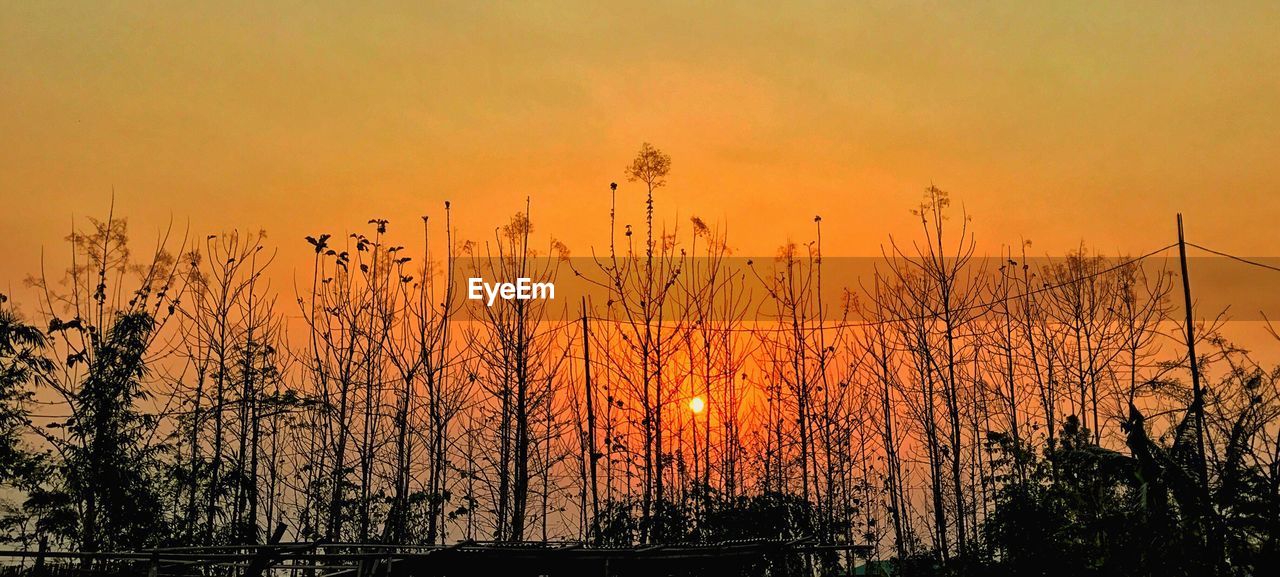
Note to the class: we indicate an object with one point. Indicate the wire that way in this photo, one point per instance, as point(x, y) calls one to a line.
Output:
point(572, 322)
point(1234, 257)
point(966, 308)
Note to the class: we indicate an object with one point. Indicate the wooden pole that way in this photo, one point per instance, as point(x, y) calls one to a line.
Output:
point(1207, 524)
point(592, 454)
point(1197, 394)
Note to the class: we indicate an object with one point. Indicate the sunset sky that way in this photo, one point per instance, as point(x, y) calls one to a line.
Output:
point(1057, 122)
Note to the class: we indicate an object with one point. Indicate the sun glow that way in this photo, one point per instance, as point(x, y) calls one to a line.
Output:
point(696, 405)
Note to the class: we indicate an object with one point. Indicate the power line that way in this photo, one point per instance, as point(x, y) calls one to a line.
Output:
point(983, 305)
point(1234, 257)
point(459, 360)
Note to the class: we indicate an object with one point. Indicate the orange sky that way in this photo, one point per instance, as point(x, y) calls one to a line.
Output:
point(1057, 122)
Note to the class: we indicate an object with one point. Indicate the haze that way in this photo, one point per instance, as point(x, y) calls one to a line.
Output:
point(1058, 123)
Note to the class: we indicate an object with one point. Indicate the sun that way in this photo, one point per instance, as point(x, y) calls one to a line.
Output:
point(696, 405)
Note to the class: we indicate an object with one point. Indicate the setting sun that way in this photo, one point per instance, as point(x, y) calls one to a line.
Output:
point(696, 405)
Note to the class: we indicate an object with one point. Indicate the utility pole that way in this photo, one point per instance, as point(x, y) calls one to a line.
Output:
point(592, 454)
point(1197, 393)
